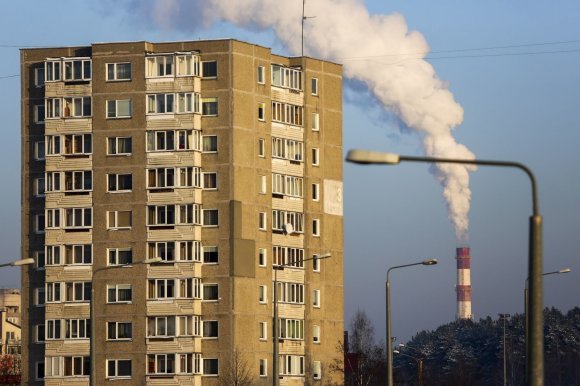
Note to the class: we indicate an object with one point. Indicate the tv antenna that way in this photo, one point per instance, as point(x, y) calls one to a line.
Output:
point(304, 18)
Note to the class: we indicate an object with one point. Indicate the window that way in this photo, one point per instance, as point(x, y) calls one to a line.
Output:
point(261, 75)
point(210, 292)
point(263, 330)
point(209, 69)
point(288, 149)
point(77, 328)
point(39, 223)
point(76, 366)
point(210, 217)
point(287, 113)
point(290, 292)
point(161, 326)
point(78, 181)
point(262, 221)
point(40, 296)
point(210, 328)
point(209, 106)
point(210, 366)
point(77, 291)
point(161, 363)
point(53, 255)
point(315, 156)
point(120, 256)
point(38, 187)
point(262, 294)
point(160, 104)
point(188, 102)
point(119, 330)
point(77, 70)
point(263, 367)
point(287, 185)
point(39, 76)
point(39, 151)
point(261, 147)
point(172, 251)
point(292, 329)
point(281, 217)
point(262, 187)
point(162, 289)
point(39, 333)
point(119, 293)
point(262, 257)
point(210, 180)
point(288, 256)
point(119, 108)
point(316, 370)
point(210, 254)
point(52, 109)
point(119, 146)
point(52, 70)
point(39, 259)
point(169, 178)
point(261, 111)
point(286, 77)
point(170, 215)
point(316, 298)
point(119, 219)
point(118, 71)
point(315, 122)
point(209, 143)
point(292, 365)
point(39, 371)
point(78, 218)
point(77, 107)
point(159, 66)
point(74, 144)
point(173, 140)
point(315, 192)
point(187, 64)
point(53, 329)
point(78, 254)
point(119, 182)
point(315, 263)
point(118, 368)
point(316, 334)
point(52, 218)
point(39, 113)
point(316, 227)
point(314, 86)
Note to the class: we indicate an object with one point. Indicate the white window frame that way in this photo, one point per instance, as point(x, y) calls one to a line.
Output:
point(211, 142)
point(315, 121)
point(205, 187)
point(263, 187)
point(263, 331)
point(164, 62)
point(77, 329)
point(116, 177)
point(263, 294)
point(116, 362)
point(114, 253)
point(209, 76)
point(316, 334)
point(314, 86)
point(212, 210)
point(53, 70)
point(53, 108)
point(77, 254)
point(72, 61)
point(116, 141)
point(117, 288)
point(292, 365)
point(114, 67)
point(74, 178)
point(315, 156)
point(39, 113)
point(39, 151)
point(212, 249)
point(262, 257)
point(261, 111)
point(211, 102)
point(261, 147)
point(316, 298)
point(113, 219)
point(316, 370)
point(161, 104)
point(210, 322)
point(263, 368)
point(261, 75)
point(173, 140)
point(76, 107)
point(117, 325)
point(216, 285)
point(217, 365)
point(39, 73)
point(115, 114)
point(316, 227)
point(262, 221)
point(83, 218)
point(316, 263)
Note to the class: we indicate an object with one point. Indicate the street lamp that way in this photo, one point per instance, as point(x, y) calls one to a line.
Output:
point(93, 351)
point(275, 343)
point(535, 347)
point(419, 361)
point(388, 303)
point(563, 270)
point(504, 317)
point(18, 263)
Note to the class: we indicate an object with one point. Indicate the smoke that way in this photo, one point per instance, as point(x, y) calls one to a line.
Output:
point(377, 50)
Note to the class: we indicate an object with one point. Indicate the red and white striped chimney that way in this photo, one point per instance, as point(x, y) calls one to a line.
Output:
point(463, 287)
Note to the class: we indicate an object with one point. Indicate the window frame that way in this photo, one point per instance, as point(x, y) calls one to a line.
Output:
point(314, 86)
point(115, 114)
point(203, 70)
point(116, 142)
point(262, 257)
point(261, 74)
point(117, 255)
point(316, 298)
point(115, 66)
point(116, 375)
point(117, 325)
point(212, 224)
point(117, 182)
point(118, 288)
point(114, 217)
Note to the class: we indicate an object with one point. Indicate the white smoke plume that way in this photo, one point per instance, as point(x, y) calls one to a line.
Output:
point(378, 50)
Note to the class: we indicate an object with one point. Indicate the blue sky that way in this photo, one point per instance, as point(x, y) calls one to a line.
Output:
point(520, 104)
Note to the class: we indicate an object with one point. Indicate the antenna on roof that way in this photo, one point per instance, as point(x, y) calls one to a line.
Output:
point(304, 18)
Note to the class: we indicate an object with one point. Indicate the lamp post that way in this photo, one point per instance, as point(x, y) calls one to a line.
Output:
point(419, 364)
point(93, 351)
point(275, 343)
point(18, 263)
point(504, 317)
point(388, 304)
point(535, 346)
point(563, 270)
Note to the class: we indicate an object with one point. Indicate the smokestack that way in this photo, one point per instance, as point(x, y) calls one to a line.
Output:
point(463, 287)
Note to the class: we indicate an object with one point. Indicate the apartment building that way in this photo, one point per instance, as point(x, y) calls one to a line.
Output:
point(162, 183)
point(10, 302)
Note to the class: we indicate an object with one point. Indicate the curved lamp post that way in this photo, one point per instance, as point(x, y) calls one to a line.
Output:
point(93, 350)
point(388, 303)
point(419, 361)
point(275, 338)
point(18, 263)
point(535, 346)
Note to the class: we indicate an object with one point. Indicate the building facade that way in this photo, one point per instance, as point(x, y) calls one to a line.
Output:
point(217, 157)
point(10, 302)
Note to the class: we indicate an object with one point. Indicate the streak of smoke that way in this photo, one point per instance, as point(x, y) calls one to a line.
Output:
point(343, 29)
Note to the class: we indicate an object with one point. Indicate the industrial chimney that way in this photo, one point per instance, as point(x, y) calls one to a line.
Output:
point(463, 287)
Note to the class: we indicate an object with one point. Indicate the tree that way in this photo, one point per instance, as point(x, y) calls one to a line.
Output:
point(236, 371)
point(364, 359)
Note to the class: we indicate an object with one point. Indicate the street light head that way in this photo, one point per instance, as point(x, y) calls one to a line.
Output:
point(372, 157)
point(396, 352)
point(18, 263)
point(429, 262)
point(565, 270)
point(152, 260)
